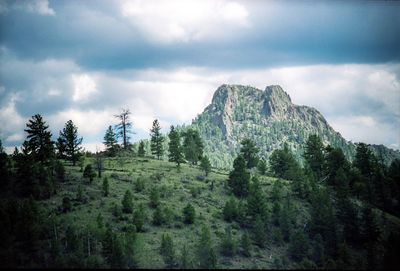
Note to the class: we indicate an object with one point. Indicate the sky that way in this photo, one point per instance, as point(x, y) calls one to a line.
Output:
point(86, 60)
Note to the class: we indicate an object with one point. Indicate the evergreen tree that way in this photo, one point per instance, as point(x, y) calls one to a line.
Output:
point(110, 141)
point(228, 246)
point(283, 164)
point(154, 197)
point(127, 202)
point(230, 210)
point(192, 146)
point(363, 159)
point(256, 204)
point(262, 166)
point(99, 163)
point(72, 141)
point(239, 177)
point(299, 246)
point(174, 146)
point(89, 173)
point(249, 151)
point(141, 150)
point(246, 245)
point(259, 232)
point(39, 143)
point(167, 250)
point(61, 147)
point(124, 127)
point(158, 216)
point(157, 140)
point(335, 161)
point(206, 255)
point(205, 165)
point(140, 217)
point(106, 187)
point(314, 155)
point(189, 214)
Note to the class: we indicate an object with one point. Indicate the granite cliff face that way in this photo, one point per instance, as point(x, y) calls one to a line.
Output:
point(267, 117)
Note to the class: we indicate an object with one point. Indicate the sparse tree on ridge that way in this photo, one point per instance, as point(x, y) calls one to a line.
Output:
point(141, 150)
point(175, 148)
point(110, 141)
point(72, 141)
point(124, 127)
point(205, 164)
point(192, 146)
point(239, 177)
point(39, 143)
point(157, 140)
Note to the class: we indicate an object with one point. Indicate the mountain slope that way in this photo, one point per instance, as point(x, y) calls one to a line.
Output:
point(269, 118)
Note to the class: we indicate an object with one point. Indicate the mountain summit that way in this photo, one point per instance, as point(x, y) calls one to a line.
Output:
point(267, 117)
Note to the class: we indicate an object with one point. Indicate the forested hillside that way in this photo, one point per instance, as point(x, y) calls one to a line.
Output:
point(164, 206)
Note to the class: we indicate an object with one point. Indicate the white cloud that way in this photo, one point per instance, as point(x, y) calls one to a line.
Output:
point(34, 6)
point(90, 123)
point(12, 124)
point(359, 101)
point(185, 20)
point(84, 86)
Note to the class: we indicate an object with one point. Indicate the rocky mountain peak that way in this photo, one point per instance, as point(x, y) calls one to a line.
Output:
point(276, 94)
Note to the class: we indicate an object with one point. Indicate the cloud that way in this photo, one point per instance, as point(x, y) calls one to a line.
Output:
point(40, 7)
point(84, 87)
point(353, 97)
point(12, 124)
point(169, 21)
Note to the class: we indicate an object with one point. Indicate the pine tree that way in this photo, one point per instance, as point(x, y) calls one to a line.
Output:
point(262, 166)
point(110, 141)
point(89, 173)
point(158, 216)
point(239, 178)
point(192, 146)
point(206, 255)
point(127, 202)
point(314, 155)
point(106, 187)
point(230, 210)
point(256, 204)
point(167, 250)
point(228, 246)
point(39, 143)
point(154, 197)
point(189, 214)
point(249, 151)
point(141, 150)
point(72, 142)
point(124, 127)
point(205, 165)
point(61, 147)
point(283, 164)
point(139, 217)
point(259, 232)
point(157, 140)
point(246, 245)
point(175, 148)
point(99, 163)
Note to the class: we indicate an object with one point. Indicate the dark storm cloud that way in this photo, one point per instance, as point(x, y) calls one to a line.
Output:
point(97, 36)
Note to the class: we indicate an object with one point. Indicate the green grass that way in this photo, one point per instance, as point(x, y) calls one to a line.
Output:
point(177, 188)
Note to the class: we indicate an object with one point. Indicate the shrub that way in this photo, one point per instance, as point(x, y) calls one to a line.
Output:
point(189, 214)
